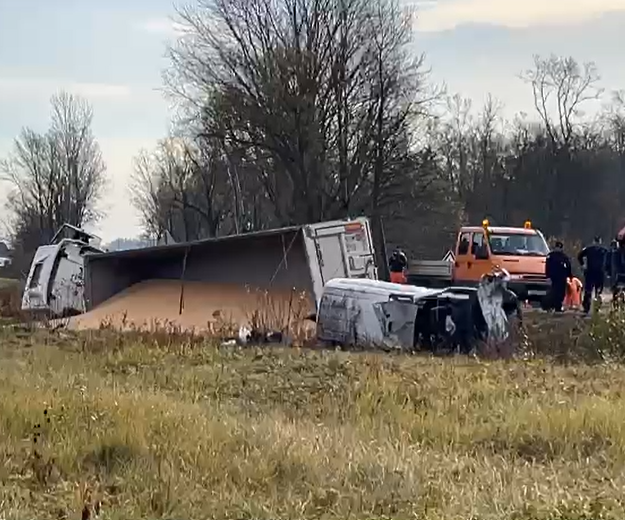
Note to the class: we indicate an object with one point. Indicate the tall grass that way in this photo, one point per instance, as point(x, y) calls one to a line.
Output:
point(142, 425)
point(10, 299)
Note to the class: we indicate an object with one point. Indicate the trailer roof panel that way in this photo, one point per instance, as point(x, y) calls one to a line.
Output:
point(181, 246)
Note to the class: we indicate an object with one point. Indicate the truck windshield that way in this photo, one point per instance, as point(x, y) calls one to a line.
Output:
point(520, 244)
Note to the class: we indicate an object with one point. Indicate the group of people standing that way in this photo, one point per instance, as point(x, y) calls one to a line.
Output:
point(597, 263)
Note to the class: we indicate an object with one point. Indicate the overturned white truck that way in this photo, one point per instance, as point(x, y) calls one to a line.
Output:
point(387, 315)
point(73, 276)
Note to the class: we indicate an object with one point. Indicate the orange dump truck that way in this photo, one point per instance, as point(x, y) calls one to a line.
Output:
point(522, 251)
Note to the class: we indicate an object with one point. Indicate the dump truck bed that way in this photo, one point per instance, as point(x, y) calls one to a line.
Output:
point(71, 276)
point(299, 259)
point(262, 260)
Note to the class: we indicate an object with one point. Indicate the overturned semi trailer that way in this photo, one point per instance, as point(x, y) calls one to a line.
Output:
point(193, 280)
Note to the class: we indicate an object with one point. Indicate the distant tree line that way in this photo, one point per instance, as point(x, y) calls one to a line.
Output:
point(302, 110)
point(295, 111)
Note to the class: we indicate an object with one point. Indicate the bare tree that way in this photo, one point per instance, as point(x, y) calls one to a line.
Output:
point(614, 120)
point(453, 134)
point(561, 86)
point(571, 185)
point(55, 177)
point(147, 196)
point(314, 97)
point(471, 145)
point(180, 187)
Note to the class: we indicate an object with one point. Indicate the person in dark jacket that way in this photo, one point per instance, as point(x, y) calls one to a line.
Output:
point(558, 270)
point(397, 265)
point(592, 259)
point(610, 259)
point(617, 268)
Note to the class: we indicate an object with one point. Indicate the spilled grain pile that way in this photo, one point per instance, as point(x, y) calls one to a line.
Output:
point(206, 307)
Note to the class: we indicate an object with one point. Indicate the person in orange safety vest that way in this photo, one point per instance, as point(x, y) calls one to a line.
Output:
point(397, 264)
point(573, 297)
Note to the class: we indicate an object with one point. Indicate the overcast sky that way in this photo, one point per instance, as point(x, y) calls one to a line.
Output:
point(113, 54)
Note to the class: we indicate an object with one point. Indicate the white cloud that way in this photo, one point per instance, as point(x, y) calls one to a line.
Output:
point(512, 13)
point(99, 90)
point(161, 26)
point(46, 86)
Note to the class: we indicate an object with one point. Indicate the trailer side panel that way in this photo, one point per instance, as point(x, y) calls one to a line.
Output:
point(260, 261)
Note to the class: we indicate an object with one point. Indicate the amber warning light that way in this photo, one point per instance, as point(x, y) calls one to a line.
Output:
point(527, 225)
point(485, 223)
point(353, 227)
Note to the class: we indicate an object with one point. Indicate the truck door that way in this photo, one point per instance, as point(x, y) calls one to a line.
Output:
point(330, 255)
point(401, 313)
point(480, 262)
point(344, 251)
point(463, 258)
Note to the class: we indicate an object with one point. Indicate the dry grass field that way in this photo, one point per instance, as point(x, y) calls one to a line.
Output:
point(125, 427)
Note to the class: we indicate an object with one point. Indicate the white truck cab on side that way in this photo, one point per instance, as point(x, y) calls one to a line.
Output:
point(369, 312)
point(55, 284)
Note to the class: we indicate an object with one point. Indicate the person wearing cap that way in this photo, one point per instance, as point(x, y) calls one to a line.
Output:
point(397, 264)
point(592, 259)
point(558, 270)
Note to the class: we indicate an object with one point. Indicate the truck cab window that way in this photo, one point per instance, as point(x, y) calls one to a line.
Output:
point(478, 246)
point(34, 281)
point(463, 244)
point(518, 244)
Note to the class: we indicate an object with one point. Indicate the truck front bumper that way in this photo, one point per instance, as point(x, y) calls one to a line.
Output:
point(530, 290)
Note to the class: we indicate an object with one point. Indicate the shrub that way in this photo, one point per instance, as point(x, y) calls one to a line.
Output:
point(571, 338)
point(10, 298)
